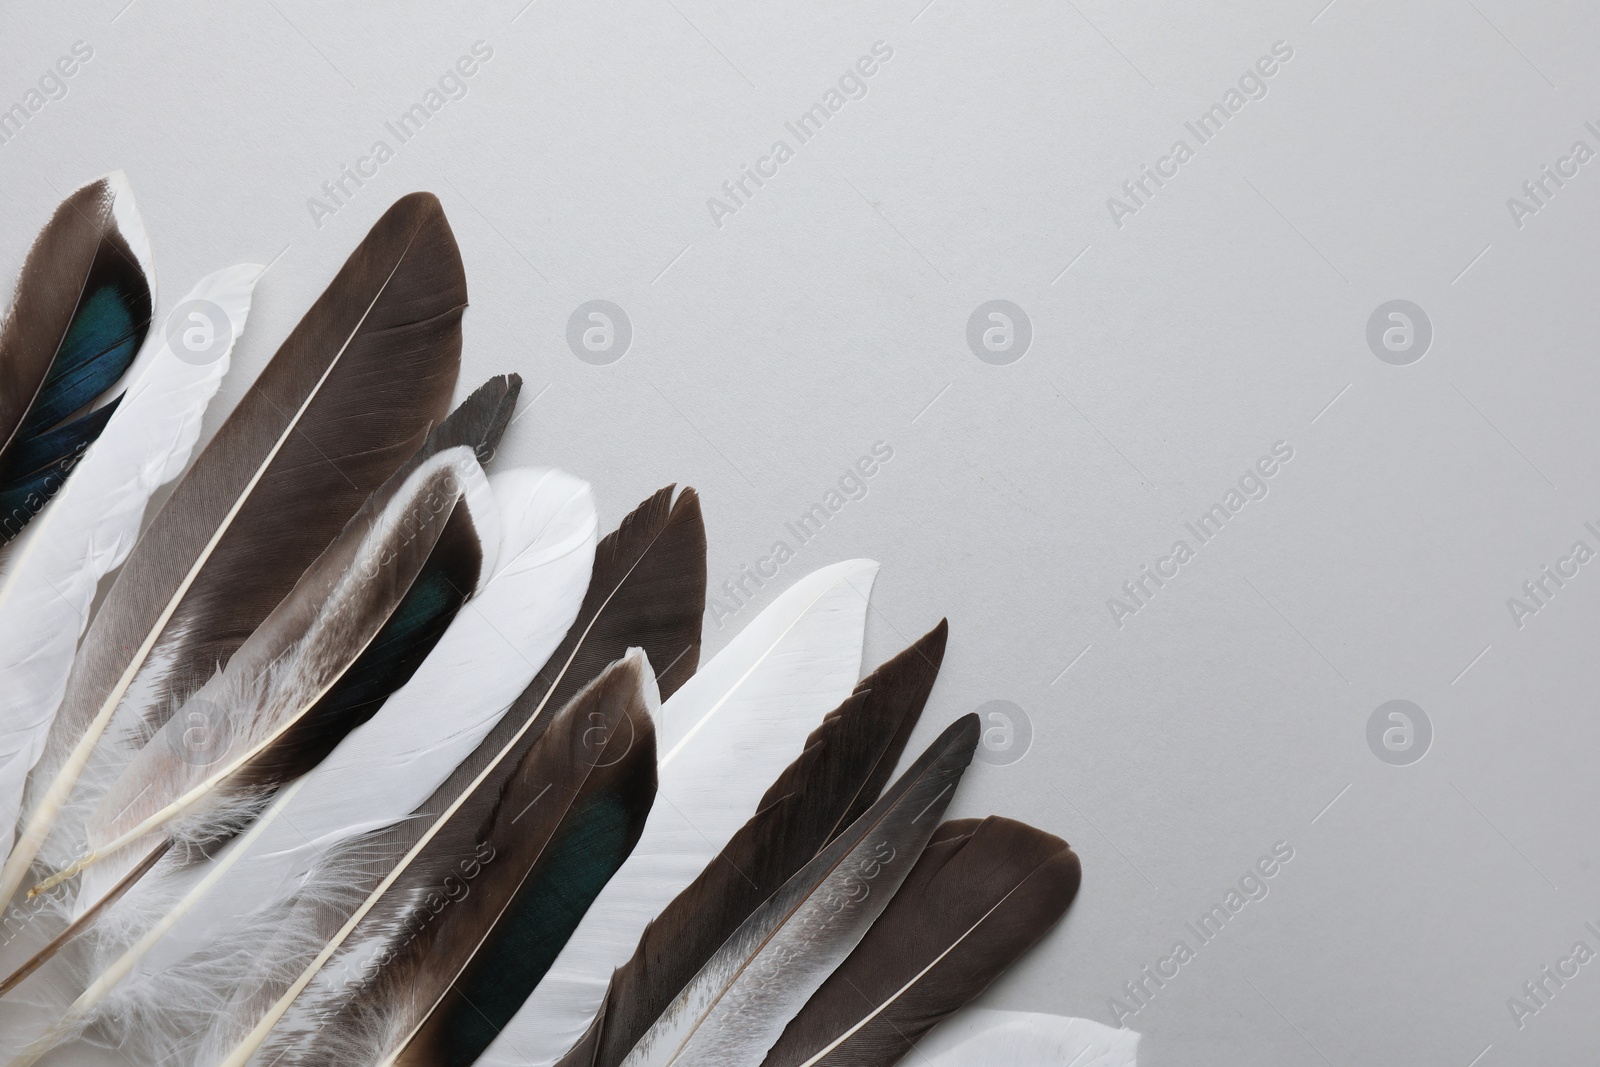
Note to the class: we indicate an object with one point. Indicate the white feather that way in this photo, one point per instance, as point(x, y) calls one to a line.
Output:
point(980, 1037)
point(725, 735)
point(377, 776)
point(88, 529)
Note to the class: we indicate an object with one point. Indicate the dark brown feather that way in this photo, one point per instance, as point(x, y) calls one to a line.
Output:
point(374, 363)
point(478, 915)
point(348, 397)
point(647, 591)
point(982, 893)
point(47, 294)
point(846, 763)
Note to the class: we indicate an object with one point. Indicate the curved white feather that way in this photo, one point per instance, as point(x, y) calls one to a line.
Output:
point(88, 529)
point(725, 735)
point(980, 1037)
point(387, 767)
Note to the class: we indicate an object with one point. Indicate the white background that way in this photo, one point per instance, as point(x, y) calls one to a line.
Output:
point(830, 312)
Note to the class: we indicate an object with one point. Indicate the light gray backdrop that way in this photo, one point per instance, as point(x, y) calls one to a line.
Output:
point(1175, 340)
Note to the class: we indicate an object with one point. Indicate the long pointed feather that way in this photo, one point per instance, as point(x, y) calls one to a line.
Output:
point(389, 766)
point(270, 714)
point(740, 1001)
point(981, 1037)
point(727, 734)
point(410, 632)
point(982, 894)
point(376, 776)
point(88, 530)
point(327, 656)
point(648, 591)
point(82, 308)
point(424, 985)
point(347, 397)
point(838, 776)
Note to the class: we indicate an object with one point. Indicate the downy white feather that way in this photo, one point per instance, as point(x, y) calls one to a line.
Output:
point(725, 736)
point(88, 529)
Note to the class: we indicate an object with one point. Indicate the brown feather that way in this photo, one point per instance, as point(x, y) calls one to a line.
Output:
point(846, 762)
point(81, 231)
point(347, 398)
point(982, 894)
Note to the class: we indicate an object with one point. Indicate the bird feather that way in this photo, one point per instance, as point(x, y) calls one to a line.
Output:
point(982, 893)
point(647, 591)
point(79, 317)
point(345, 400)
point(840, 773)
point(738, 1004)
point(978, 1037)
point(455, 945)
